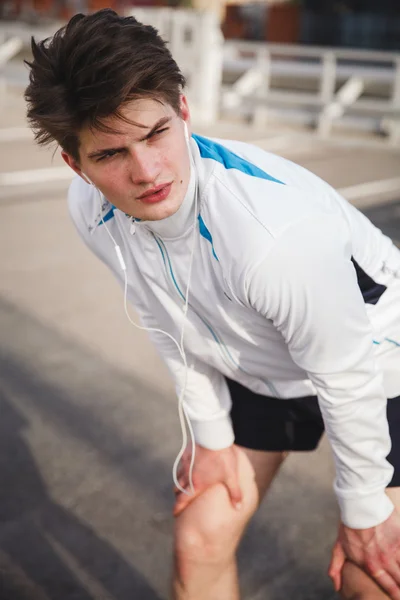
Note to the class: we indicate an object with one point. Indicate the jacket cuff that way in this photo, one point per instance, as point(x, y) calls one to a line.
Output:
point(365, 511)
point(214, 435)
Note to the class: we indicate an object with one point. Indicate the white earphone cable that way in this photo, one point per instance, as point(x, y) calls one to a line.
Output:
point(183, 416)
point(181, 406)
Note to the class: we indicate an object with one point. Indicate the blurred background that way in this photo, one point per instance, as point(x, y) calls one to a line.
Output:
point(345, 23)
point(88, 415)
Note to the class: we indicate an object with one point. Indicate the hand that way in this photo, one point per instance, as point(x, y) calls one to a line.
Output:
point(210, 467)
point(375, 550)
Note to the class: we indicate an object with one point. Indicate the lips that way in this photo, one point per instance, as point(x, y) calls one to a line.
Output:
point(156, 194)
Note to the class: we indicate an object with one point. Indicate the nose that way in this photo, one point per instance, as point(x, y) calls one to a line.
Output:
point(145, 165)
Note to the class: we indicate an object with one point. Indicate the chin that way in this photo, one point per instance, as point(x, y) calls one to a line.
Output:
point(162, 210)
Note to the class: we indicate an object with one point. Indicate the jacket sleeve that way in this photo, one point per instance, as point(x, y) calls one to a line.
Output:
point(207, 399)
point(307, 286)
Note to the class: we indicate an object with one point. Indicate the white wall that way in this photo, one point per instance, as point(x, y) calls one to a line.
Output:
point(196, 43)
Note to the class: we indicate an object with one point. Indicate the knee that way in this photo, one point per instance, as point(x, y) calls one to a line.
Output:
point(209, 529)
point(357, 585)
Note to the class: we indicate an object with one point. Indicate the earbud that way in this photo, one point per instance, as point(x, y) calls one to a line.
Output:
point(185, 127)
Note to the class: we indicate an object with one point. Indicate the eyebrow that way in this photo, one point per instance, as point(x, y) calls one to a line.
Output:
point(160, 123)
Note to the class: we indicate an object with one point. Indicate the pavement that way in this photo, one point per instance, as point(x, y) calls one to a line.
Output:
point(88, 416)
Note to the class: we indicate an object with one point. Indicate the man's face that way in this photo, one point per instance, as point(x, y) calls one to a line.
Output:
point(144, 169)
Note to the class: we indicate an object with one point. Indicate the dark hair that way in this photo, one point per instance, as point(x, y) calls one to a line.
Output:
point(89, 69)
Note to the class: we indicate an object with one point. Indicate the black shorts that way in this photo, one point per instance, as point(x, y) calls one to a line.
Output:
point(273, 425)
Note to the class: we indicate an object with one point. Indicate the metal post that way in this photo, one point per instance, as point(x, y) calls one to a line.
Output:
point(392, 124)
point(346, 96)
point(260, 114)
point(328, 78)
point(396, 86)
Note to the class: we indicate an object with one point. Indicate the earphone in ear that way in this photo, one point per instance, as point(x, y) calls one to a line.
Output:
point(185, 127)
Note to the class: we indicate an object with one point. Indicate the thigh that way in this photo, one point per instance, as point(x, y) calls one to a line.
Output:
point(262, 467)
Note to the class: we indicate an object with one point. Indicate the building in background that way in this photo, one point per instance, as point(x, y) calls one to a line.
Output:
point(342, 23)
point(351, 23)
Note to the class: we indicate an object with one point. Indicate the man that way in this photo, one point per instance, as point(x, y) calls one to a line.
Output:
point(293, 323)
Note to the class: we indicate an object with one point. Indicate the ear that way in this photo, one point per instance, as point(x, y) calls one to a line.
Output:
point(71, 162)
point(185, 112)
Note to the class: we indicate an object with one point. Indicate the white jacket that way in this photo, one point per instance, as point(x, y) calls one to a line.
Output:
point(293, 292)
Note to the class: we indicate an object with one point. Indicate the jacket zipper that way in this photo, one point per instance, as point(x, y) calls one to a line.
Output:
point(225, 353)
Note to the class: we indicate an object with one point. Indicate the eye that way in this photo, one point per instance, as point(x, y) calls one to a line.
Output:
point(160, 131)
point(107, 155)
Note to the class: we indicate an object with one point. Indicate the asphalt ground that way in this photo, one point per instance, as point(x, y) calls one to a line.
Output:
point(88, 420)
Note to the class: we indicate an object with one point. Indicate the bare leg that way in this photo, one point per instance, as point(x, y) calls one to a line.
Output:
point(357, 585)
point(208, 532)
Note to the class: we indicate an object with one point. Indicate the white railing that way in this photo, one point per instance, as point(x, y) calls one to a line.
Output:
point(257, 78)
point(337, 80)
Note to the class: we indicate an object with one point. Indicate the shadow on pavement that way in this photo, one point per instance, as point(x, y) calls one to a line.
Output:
point(48, 553)
point(36, 534)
